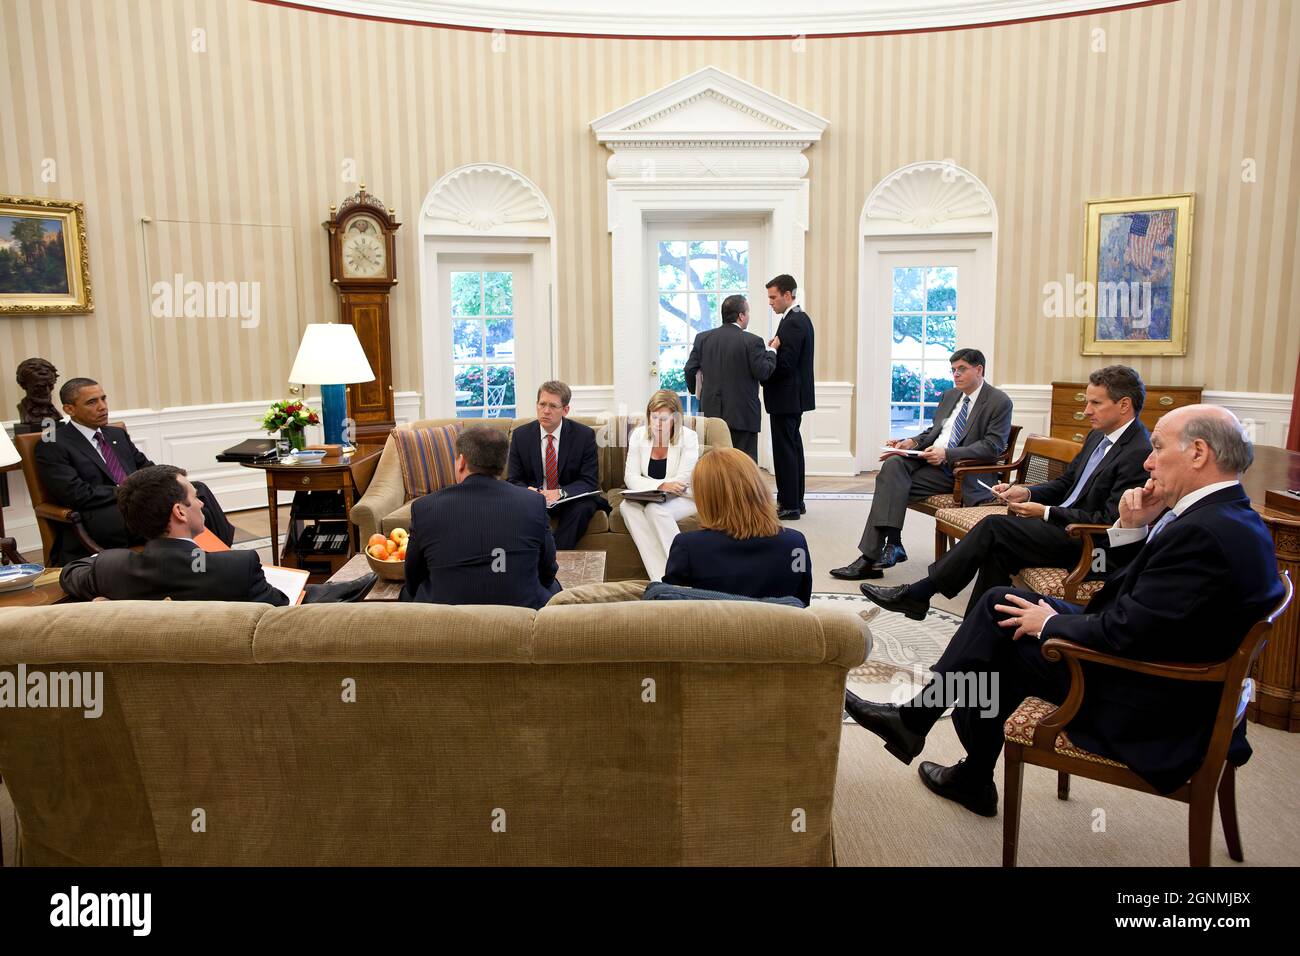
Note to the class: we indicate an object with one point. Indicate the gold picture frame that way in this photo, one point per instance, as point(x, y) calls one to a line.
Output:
point(1137, 266)
point(44, 262)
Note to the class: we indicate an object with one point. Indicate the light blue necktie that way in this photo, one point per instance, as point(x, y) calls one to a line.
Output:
point(959, 426)
point(1093, 461)
point(1166, 519)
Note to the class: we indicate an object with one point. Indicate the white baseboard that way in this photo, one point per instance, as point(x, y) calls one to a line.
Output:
point(190, 437)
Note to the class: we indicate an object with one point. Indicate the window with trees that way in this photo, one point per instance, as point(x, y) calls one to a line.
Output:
point(483, 344)
point(925, 335)
point(694, 278)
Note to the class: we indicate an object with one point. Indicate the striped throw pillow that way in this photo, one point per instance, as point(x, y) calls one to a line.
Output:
point(427, 457)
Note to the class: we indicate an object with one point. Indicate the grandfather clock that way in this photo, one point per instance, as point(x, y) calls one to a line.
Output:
point(363, 268)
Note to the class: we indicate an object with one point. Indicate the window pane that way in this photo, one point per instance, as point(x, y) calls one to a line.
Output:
point(469, 412)
point(498, 293)
point(466, 294)
point(466, 339)
point(903, 420)
point(940, 335)
point(469, 385)
point(501, 339)
point(734, 264)
point(505, 411)
point(936, 382)
point(705, 312)
point(907, 337)
point(672, 318)
point(941, 289)
point(672, 265)
point(707, 249)
point(907, 290)
point(905, 382)
point(703, 270)
point(500, 386)
point(672, 360)
point(927, 415)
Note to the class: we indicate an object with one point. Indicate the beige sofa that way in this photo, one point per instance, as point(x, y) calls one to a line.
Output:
point(384, 506)
point(616, 733)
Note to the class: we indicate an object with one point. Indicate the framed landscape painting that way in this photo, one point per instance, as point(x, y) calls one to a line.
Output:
point(1138, 254)
point(44, 267)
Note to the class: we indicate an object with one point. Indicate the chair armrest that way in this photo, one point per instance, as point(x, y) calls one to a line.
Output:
point(58, 513)
point(384, 495)
point(977, 466)
point(1087, 533)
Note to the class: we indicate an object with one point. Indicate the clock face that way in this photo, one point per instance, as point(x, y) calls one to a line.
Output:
point(365, 249)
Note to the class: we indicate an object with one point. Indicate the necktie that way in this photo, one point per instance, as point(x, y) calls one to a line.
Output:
point(552, 472)
point(1165, 519)
point(1093, 461)
point(110, 459)
point(959, 426)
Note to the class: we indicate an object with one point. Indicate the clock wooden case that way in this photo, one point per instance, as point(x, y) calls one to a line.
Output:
point(363, 268)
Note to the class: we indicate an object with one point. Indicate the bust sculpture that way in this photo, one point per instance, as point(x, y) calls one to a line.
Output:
point(36, 376)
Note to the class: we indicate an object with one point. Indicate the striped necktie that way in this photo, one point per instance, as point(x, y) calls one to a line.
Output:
point(1093, 461)
point(552, 471)
point(959, 426)
point(1166, 519)
point(111, 461)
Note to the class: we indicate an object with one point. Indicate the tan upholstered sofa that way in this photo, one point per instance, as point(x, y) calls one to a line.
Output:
point(384, 506)
point(633, 733)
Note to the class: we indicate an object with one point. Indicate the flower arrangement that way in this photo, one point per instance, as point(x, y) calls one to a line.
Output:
point(290, 419)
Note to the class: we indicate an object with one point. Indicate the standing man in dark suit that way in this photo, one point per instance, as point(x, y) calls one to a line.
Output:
point(1032, 534)
point(724, 370)
point(1200, 574)
point(973, 421)
point(481, 540)
point(556, 458)
point(160, 505)
point(789, 393)
point(85, 463)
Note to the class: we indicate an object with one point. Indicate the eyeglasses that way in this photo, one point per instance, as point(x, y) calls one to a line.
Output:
point(551, 405)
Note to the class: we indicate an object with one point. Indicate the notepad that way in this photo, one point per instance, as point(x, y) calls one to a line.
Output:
point(292, 582)
point(560, 501)
point(911, 452)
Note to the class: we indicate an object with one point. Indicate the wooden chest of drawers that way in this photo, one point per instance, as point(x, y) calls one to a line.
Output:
point(1068, 399)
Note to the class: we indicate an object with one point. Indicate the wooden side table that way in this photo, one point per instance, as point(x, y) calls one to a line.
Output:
point(349, 474)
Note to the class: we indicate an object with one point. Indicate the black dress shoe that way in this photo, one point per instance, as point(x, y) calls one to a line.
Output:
point(896, 599)
point(803, 508)
point(890, 555)
point(857, 571)
point(788, 514)
point(979, 797)
point(885, 722)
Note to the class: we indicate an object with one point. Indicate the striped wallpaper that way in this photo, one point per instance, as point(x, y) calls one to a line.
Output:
point(236, 151)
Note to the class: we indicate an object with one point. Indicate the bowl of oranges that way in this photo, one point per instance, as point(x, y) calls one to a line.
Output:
point(386, 554)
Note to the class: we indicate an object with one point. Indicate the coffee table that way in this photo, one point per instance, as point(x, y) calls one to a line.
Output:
point(45, 591)
point(576, 567)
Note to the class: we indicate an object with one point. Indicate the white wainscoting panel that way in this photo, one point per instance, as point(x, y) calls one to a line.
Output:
point(828, 431)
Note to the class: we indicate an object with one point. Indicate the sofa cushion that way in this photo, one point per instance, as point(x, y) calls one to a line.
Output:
point(658, 591)
point(607, 592)
point(401, 518)
point(427, 457)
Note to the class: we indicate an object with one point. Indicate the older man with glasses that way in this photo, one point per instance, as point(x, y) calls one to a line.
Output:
point(556, 458)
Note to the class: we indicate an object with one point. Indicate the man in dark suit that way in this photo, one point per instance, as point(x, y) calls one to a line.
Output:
point(1201, 573)
point(85, 463)
point(789, 392)
point(481, 540)
point(556, 458)
point(160, 505)
point(724, 370)
point(1032, 533)
point(973, 421)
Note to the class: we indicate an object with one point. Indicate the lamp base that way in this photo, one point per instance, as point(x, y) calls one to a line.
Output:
point(334, 412)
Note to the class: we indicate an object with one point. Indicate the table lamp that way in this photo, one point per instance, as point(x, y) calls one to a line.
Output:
point(331, 356)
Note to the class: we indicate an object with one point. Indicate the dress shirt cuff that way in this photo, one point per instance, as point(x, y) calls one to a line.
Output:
point(1042, 631)
point(770, 349)
point(1046, 511)
point(1122, 536)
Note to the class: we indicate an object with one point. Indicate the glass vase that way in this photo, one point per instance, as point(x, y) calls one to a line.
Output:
point(296, 437)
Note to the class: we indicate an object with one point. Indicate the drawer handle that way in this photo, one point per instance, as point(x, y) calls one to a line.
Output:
point(306, 479)
point(1078, 437)
point(1080, 397)
point(1166, 400)
point(1078, 416)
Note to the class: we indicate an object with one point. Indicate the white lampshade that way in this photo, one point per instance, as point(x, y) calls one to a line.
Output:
point(8, 453)
point(330, 355)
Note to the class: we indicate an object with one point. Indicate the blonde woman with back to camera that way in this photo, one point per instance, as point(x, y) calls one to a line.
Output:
point(660, 457)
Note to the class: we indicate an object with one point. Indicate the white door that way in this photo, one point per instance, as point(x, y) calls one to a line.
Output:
point(490, 306)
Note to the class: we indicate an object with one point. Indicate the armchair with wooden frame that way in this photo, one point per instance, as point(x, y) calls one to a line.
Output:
point(49, 515)
point(1035, 734)
point(933, 504)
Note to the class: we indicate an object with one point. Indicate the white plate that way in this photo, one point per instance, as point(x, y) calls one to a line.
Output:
point(15, 577)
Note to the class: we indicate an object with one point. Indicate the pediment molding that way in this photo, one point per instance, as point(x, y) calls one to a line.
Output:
point(486, 199)
point(929, 196)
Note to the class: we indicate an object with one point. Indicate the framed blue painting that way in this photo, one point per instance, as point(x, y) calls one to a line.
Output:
point(1137, 266)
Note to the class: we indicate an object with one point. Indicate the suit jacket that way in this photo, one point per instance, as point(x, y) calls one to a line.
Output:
point(166, 569)
point(1119, 471)
point(577, 464)
point(731, 363)
point(677, 467)
point(987, 431)
point(1189, 595)
point(791, 389)
point(755, 567)
point(482, 541)
point(76, 477)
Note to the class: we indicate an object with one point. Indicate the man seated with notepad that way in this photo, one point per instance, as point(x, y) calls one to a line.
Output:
point(159, 503)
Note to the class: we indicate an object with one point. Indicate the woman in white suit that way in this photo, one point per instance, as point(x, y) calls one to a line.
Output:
point(660, 457)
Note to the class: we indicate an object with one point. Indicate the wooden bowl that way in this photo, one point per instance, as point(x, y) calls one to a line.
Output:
point(387, 570)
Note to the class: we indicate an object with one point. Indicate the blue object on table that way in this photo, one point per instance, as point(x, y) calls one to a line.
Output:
point(334, 411)
point(15, 577)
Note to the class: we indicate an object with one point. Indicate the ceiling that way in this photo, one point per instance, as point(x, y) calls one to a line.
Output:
point(719, 18)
